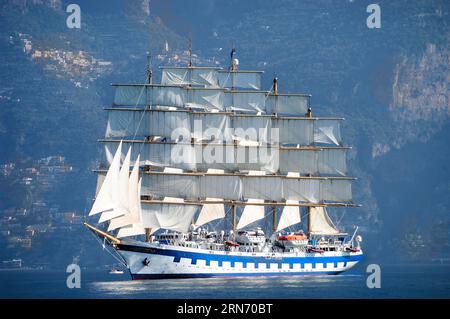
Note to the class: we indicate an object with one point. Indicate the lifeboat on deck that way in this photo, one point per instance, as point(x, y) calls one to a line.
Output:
point(292, 240)
point(230, 243)
point(314, 250)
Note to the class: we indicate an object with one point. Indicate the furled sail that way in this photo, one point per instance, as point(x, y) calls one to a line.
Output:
point(105, 199)
point(289, 216)
point(320, 222)
point(251, 213)
point(210, 212)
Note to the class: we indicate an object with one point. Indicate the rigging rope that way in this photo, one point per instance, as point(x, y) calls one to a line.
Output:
point(120, 260)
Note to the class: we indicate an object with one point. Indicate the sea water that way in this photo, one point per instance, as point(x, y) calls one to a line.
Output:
point(397, 281)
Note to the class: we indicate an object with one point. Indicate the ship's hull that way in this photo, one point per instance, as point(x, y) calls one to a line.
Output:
point(155, 261)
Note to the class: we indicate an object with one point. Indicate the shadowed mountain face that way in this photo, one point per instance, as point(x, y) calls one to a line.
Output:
point(391, 85)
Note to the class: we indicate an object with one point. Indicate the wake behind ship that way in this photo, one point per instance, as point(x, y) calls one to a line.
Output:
point(207, 158)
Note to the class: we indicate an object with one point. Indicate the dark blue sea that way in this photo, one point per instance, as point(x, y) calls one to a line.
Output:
point(397, 281)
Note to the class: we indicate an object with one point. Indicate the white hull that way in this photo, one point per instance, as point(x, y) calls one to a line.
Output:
point(151, 261)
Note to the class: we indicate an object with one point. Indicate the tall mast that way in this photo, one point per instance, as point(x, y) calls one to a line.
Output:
point(148, 234)
point(190, 53)
point(233, 61)
point(274, 219)
point(149, 68)
point(309, 220)
point(275, 85)
point(234, 217)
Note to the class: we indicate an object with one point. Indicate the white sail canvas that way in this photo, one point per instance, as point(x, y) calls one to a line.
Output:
point(105, 198)
point(320, 222)
point(290, 215)
point(251, 213)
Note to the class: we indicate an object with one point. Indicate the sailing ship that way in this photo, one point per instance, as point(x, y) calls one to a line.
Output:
point(197, 165)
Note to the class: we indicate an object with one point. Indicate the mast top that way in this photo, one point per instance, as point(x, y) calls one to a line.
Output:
point(149, 68)
point(190, 53)
point(234, 62)
point(275, 86)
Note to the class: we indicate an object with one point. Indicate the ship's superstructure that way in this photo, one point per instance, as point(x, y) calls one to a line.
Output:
point(193, 164)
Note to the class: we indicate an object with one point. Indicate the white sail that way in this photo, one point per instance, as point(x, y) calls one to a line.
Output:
point(283, 130)
point(262, 187)
point(125, 123)
point(131, 230)
point(121, 201)
point(245, 101)
point(236, 187)
point(297, 132)
point(136, 228)
point(108, 155)
point(175, 217)
point(310, 161)
point(240, 79)
point(204, 76)
point(238, 158)
point(209, 99)
point(132, 95)
point(254, 128)
point(175, 76)
point(327, 132)
point(210, 212)
point(104, 200)
point(190, 76)
point(101, 179)
point(290, 215)
point(320, 222)
point(251, 213)
point(294, 104)
point(168, 124)
point(133, 212)
point(206, 126)
point(332, 161)
point(166, 96)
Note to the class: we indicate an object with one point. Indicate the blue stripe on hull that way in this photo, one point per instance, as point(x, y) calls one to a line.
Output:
point(194, 257)
point(209, 275)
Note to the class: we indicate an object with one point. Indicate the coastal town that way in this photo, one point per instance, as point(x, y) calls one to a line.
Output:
point(39, 216)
